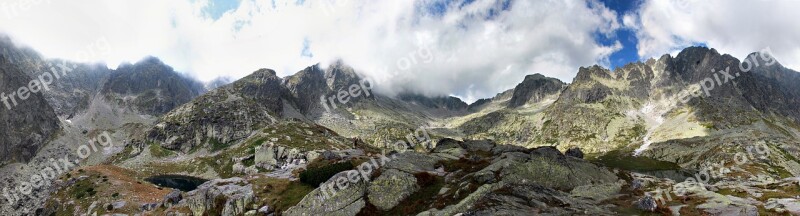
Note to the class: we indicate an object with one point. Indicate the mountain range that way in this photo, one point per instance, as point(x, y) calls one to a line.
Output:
point(603, 144)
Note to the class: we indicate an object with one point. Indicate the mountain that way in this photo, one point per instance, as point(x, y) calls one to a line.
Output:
point(224, 115)
point(67, 104)
point(217, 82)
point(448, 103)
point(534, 89)
point(606, 143)
point(150, 86)
point(29, 122)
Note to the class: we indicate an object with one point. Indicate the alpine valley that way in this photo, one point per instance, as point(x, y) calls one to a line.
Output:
point(619, 142)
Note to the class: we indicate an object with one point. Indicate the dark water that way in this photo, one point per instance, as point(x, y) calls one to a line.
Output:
point(180, 182)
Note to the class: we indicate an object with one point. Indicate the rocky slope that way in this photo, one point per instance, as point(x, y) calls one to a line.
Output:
point(71, 110)
point(28, 121)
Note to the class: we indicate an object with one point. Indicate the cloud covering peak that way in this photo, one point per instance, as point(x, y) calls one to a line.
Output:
point(477, 47)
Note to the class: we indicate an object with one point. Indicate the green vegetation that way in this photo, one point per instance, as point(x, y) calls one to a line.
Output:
point(778, 128)
point(216, 145)
point(83, 188)
point(639, 131)
point(430, 185)
point(280, 194)
point(159, 152)
point(293, 194)
point(318, 175)
point(626, 161)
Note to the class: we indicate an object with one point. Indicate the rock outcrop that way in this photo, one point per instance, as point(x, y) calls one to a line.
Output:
point(535, 88)
point(232, 196)
point(393, 186)
point(478, 181)
point(271, 156)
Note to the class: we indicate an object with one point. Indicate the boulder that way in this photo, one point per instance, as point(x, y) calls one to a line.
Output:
point(574, 152)
point(500, 149)
point(239, 168)
point(330, 199)
point(647, 203)
point(265, 156)
point(412, 162)
point(172, 198)
point(118, 204)
point(548, 151)
point(452, 153)
point(233, 195)
point(148, 207)
point(445, 144)
point(478, 145)
point(312, 155)
point(549, 168)
point(392, 187)
point(280, 152)
point(525, 199)
point(265, 210)
point(598, 192)
point(783, 205)
point(487, 174)
point(329, 155)
point(292, 154)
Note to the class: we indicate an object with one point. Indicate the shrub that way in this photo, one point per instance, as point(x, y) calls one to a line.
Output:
point(317, 175)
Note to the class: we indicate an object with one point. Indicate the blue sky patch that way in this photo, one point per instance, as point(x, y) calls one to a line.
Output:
point(217, 8)
point(626, 37)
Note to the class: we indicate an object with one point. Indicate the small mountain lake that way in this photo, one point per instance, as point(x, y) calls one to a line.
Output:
point(180, 182)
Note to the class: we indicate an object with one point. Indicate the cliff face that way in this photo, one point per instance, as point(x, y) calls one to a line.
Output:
point(150, 87)
point(535, 88)
point(27, 121)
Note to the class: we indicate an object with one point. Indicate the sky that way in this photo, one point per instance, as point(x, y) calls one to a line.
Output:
point(471, 49)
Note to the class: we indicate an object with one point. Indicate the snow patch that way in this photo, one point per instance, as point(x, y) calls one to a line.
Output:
point(653, 117)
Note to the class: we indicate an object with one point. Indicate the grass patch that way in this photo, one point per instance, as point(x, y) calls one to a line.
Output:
point(280, 194)
point(159, 152)
point(216, 145)
point(83, 189)
point(464, 164)
point(317, 175)
point(422, 199)
point(778, 128)
point(626, 161)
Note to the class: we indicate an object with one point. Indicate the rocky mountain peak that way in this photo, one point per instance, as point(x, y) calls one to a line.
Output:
point(339, 75)
point(586, 73)
point(441, 102)
point(151, 86)
point(534, 88)
point(264, 72)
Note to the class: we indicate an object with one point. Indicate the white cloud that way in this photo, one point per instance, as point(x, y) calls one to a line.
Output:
point(736, 27)
point(473, 56)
